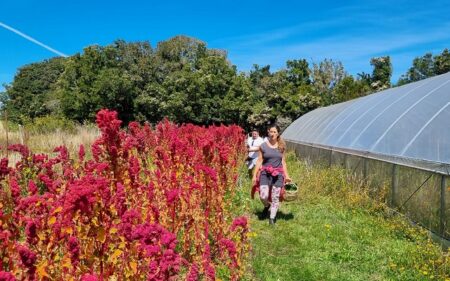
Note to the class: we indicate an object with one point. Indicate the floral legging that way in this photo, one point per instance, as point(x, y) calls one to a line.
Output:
point(264, 196)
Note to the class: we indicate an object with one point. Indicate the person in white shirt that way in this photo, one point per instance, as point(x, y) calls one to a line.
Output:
point(253, 144)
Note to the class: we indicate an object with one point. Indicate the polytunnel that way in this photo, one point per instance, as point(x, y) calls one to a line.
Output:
point(398, 137)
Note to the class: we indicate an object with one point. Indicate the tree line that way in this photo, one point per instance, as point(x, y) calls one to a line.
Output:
point(185, 81)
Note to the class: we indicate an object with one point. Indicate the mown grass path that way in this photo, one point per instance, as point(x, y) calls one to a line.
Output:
point(326, 236)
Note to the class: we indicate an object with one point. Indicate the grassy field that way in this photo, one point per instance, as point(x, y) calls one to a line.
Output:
point(335, 231)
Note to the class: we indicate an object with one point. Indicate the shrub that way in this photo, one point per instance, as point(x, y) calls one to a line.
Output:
point(50, 124)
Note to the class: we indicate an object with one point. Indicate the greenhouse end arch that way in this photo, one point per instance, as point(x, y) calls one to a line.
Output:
point(399, 137)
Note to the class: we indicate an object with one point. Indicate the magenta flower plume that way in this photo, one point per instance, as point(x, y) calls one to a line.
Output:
point(81, 153)
point(109, 125)
point(15, 189)
point(74, 250)
point(20, 148)
point(63, 153)
point(31, 231)
point(32, 187)
point(193, 273)
point(239, 222)
point(89, 277)
point(27, 257)
point(230, 247)
point(4, 169)
point(6, 276)
point(80, 198)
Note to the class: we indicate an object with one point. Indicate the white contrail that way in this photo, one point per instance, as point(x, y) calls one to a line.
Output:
point(32, 40)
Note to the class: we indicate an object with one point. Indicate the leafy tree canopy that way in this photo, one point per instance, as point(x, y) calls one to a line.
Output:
point(186, 81)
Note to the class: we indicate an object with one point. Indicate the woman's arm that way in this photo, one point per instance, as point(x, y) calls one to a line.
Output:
point(285, 170)
point(257, 165)
point(253, 148)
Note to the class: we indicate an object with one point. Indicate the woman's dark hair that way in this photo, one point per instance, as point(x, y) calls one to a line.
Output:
point(280, 140)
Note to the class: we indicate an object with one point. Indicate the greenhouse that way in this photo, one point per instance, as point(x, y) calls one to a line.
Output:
point(398, 138)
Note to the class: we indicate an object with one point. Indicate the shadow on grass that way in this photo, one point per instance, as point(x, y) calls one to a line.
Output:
point(280, 215)
point(285, 216)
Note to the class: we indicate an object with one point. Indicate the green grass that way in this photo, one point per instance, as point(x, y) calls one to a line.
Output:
point(334, 231)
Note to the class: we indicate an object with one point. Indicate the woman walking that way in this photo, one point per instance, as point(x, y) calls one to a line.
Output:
point(272, 172)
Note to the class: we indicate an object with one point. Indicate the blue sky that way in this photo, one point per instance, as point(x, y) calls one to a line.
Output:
point(261, 32)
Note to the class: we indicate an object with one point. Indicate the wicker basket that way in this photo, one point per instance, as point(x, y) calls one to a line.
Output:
point(290, 191)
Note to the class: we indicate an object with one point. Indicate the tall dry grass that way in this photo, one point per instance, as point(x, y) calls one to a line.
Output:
point(39, 142)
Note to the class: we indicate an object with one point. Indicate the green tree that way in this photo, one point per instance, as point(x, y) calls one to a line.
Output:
point(426, 66)
point(423, 67)
point(308, 100)
point(350, 88)
point(236, 104)
point(298, 72)
point(180, 52)
point(281, 96)
point(198, 83)
point(32, 91)
point(442, 63)
point(105, 77)
point(382, 72)
point(258, 73)
point(325, 76)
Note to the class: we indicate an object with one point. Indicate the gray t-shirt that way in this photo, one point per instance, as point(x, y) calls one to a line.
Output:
point(271, 156)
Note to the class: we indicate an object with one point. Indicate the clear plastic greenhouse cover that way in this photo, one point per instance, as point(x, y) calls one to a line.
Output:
point(410, 123)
